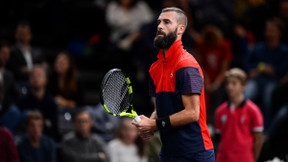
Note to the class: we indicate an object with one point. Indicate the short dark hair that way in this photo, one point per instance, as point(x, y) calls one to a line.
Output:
point(34, 115)
point(78, 112)
point(181, 14)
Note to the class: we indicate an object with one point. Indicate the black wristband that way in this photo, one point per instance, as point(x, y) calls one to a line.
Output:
point(163, 123)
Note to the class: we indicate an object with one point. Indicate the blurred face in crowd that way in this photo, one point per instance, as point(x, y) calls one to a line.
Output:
point(34, 129)
point(23, 34)
point(234, 87)
point(61, 65)
point(4, 55)
point(83, 124)
point(272, 32)
point(283, 10)
point(126, 3)
point(168, 30)
point(38, 78)
point(128, 133)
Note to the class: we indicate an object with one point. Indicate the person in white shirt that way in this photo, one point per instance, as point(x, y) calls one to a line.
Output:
point(127, 147)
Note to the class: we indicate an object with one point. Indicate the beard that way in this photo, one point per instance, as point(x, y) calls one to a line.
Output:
point(165, 41)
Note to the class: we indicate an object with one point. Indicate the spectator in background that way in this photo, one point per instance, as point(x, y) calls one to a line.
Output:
point(125, 17)
point(238, 121)
point(104, 124)
point(39, 98)
point(64, 84)
point(9, 113)
point(267, 64)
point(23, 55)
point(81, 145)
point(127, 147)
point(283, 14)
point(8, 150)
point(214, 54)
point(243, 42)
point(35, 146)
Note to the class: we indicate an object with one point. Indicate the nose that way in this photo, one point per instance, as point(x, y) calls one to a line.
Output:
point(160, 27)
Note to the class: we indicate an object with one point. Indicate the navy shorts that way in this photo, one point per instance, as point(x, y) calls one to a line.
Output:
point(204, 156)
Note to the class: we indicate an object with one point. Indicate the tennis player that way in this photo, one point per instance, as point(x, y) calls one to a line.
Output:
point(177, 87)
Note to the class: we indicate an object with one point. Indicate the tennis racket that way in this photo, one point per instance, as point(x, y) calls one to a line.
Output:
point(116, 94)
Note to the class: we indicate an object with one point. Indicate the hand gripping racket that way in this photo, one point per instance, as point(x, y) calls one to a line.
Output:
point(116, 94)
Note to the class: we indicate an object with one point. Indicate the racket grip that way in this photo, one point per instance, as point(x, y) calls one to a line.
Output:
point(137, 118)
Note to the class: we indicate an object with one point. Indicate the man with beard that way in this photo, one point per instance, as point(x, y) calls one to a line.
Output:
point(177, 87)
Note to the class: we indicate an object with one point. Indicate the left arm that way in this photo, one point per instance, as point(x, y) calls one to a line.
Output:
point(190, 114)
point(257, 144)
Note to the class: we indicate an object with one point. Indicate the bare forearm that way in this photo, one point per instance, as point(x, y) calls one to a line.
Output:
point(257, 145)
point(183, 117)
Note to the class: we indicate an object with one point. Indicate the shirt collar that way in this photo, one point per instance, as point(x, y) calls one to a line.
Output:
point(177, 45)
point(241, 104)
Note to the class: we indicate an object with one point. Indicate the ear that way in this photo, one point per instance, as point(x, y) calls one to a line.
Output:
point(181, 29)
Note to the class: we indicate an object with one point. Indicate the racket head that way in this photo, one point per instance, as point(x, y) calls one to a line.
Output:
point(116, 93)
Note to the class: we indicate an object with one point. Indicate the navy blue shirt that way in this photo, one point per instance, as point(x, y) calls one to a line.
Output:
point(46, 152)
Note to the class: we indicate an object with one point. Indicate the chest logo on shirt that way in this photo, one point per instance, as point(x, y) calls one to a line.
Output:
point(223, 119)
point(171, 75)
point(242, 119)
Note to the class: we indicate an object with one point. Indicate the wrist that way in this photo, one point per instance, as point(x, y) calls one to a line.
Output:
point(163, 123)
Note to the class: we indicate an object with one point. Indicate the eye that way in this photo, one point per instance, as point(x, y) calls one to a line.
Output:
point(166, 21)
point(158, 22)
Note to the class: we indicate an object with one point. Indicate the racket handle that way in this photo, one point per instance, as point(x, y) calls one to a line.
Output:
point(137, 118)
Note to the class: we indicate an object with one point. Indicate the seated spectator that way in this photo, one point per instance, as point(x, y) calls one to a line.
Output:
point(64, 84)
point(127, 147)
point(8, 150)
point(125, 17)
point(214, 54)
point(104, 124)
point(81, 145)
point(238, 121)
point(39, 98)
point(23, 55)
point(267, 65)
point(9, 113)
point(35, 146)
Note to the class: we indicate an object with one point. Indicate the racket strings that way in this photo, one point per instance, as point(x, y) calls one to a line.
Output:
point(116, 93)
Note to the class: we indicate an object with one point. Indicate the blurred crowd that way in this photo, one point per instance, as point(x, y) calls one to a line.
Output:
point(47, 47)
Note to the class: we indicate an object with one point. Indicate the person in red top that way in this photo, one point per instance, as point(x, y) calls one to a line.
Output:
point(239, 122)
point(8, 150)
point(215, 55)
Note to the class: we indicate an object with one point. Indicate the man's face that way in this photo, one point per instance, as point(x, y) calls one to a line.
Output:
point(4, 55)
point(83, 124)
point(34, 129)
point(166, 30)
point(38, 78)
point(271, 31)
point(23, 34)
point(234, 88)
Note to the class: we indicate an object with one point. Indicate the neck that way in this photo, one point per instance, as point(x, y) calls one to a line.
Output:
point(38, 92)
point(24, 45)
point(273, 43)
point(237, 100)
point(34, 142)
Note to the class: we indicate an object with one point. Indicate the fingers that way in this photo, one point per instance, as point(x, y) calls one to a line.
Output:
point(147, 136)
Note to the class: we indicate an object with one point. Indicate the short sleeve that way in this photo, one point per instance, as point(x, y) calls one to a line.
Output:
point(189, 80)
point(151, 87)
point(256, 119)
